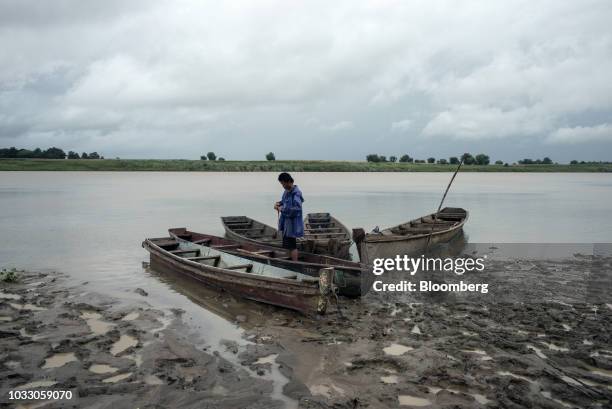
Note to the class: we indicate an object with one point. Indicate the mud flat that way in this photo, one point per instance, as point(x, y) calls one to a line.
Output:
point(384, 351)
point(56, 338)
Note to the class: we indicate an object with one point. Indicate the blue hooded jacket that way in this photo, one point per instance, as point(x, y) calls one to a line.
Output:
point(291, 223)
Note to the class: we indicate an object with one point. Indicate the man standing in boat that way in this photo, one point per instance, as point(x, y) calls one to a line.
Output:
point(290, 221)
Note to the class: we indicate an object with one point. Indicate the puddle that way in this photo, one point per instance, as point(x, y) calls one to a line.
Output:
point(599, 371)
point(131, 316)
point(124, 342)
point(570, 381)
point(389, 379)
point(26, 307)
point(586, 342)
point(324, 390)
point(483, 354)
point(566, 327)
point(477, 396)
point(102, 369)
point(548, 395)
point(395, 312)
point(537, 351)
point(554, 347)
point(270, 359)
point(58, 360)
point(6, 318)
point(33, 337)
point(136, 358)
point(513, 375)
point(397, 349)
point(153, 380)
point(408, 400)
point(96, 325)
point(117, 378)
point(36, 384)
point(278, 380)
point(416, 330)
point(9, 296)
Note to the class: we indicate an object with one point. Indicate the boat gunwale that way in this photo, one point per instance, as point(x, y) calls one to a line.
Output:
point(358, 267)
point(375, 238)
point(305, 286)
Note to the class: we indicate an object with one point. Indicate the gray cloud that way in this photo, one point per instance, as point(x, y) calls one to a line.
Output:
point(172, 79)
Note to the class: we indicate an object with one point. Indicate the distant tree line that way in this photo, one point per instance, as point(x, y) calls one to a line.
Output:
point(468, 159)
point(51, 153)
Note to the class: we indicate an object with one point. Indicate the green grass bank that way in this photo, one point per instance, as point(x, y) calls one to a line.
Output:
point(175, 165)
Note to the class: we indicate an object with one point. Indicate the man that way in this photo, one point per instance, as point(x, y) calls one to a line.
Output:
point(290, 222)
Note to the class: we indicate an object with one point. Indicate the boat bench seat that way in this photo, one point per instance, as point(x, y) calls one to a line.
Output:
point(216, 258)
point(226, 246)
point(248, 267)
point(180, 251)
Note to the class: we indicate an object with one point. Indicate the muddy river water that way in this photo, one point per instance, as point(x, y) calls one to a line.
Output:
point(89, 226)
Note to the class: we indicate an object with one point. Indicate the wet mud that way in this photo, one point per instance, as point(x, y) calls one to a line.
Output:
point(383, 351)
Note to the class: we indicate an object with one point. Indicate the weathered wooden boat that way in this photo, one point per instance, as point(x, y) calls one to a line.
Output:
point(410, 238)
point(350, 278)
point(240, 276)
point(323, 234)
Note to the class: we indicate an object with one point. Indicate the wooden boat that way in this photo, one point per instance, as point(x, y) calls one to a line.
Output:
point(323, 234)
point(351, 278)
point(240, 276)
point(410, 238)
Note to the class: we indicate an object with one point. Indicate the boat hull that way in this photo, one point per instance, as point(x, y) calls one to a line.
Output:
point(305, 297)
point(350, 278)
point(373, 246)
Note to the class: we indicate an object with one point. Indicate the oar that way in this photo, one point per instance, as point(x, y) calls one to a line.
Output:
point(442, 202)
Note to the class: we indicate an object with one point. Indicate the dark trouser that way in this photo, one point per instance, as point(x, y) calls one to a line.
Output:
point(289, 243)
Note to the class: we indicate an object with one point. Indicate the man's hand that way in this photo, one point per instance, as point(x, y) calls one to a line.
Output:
point(277, 206)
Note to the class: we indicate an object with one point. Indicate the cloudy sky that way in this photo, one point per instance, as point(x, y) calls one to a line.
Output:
point(308, 80)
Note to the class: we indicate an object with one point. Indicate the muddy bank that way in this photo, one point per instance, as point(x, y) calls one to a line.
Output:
point(384, 351)
point(388, 352)
point(59, 338)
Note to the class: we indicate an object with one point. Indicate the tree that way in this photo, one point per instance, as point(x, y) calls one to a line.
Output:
point(24, 153)
point(383, 158)
point(37, 153)
point(406, 158)
point(203, 157)
point(84, 155)
point(392, 159)
point(526, 161)
point(499, 162)
point(419, 161)
point(54, 153)
point(221, 159)
point(270, 156)
point(211, 156)
point(372, 157)
point(431, 160)
point(574, 162)
point(94, 155)
point(547, 161)
point(482, 159)
point(442, 161)
point(453, 160)
point(468, 159)
point(73, 155)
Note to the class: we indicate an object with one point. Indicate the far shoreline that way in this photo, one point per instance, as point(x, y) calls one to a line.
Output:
point(186, 165)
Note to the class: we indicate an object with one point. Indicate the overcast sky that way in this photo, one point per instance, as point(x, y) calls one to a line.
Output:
point(309, 80)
